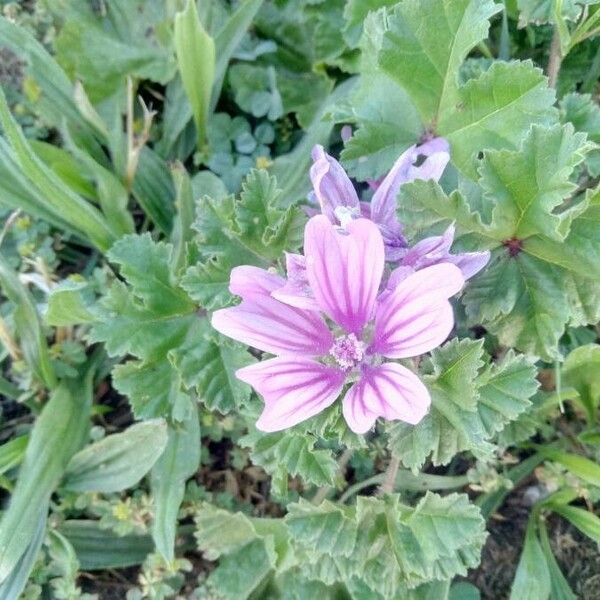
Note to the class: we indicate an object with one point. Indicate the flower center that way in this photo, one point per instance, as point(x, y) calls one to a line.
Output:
point(348, 351)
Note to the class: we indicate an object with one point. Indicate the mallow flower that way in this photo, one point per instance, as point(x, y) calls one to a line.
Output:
point(339, 202)
point(348, 338)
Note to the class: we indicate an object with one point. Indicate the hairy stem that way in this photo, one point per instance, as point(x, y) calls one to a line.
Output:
point(407, 480)
point(390, 475)
point(555, 60)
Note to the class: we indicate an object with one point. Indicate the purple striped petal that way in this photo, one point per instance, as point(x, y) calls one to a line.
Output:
point(416, 317)
point(294, 389)
point(332, 186)
point(296, 291)
point(390, 391)
point(251, 282)
point(271, 326)
point(344, 270)
point(436, 249)
point(470, 263)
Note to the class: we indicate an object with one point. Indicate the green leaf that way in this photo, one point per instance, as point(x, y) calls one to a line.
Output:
point(242, 572)
point(420, 48)
point(396, 546)
point(118, 461)
point(12, 452)
point(452, 424)
point(99, 549)
point(14, 584)
point(228, 39)
point(207, 362)
point(505, 391)
point(254, 230)
point(153, 387)
point(465, 419)
point(56, 197)
point(56, 101)
point(58, 433)
point(532, 580)
point(437, 36)
point(102, 48)
point(560, 588)
point(542, 11)
point(526, 185)
point(295, 453)
point(153, 189)
point(324, 529)
point(28, 327)
point(581, 371)
point(586, 521)
point(496, 110)
point(195, 51)
point(584, 468)
point(67, 304)
point(179, 461)
point(182, 233)
point(145, 265)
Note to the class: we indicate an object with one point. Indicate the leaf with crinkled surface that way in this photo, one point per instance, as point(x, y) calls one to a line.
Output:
point(452, 424)
point(415, 52)
point(324, 529)
point(394, 547)
point(207, 363)
point(152, 387)
point(126, 326)
point(295, 452)
point(505, 391)
point(437, 36)
point(252, 230)
point(542, 11)
point(527, 185)
point(495, 110)
point(464, 417)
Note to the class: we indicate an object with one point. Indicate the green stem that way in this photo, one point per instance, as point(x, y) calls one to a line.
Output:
point(407, 480)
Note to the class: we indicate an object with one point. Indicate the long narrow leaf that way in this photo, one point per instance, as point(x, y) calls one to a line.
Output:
point(31, 337)
point(58, 433)
point(57, 196)
point(179, 461)
point(195, 51)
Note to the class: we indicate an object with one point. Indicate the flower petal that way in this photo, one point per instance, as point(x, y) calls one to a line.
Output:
point(384, 201)
point(296, 291)
point(250, 282)
point(416, 317)
point(470, 263)
point(390, 391)
point(271, 326)
point(344, 271)
point(429, 251)
point(294, 389)
point(332, 186)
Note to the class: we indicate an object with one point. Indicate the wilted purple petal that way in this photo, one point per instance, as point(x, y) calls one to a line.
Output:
point(470, 263)
point(429, 251)
point(344, 269)
point(390, 391)
point(331, 185)
point(296, 291)
point(271, 326)
point(416, 317)
point(294, 389)
point(436, 249)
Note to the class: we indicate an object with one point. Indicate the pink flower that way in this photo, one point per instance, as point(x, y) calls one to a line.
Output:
point(347, 336)
point(339, 201)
